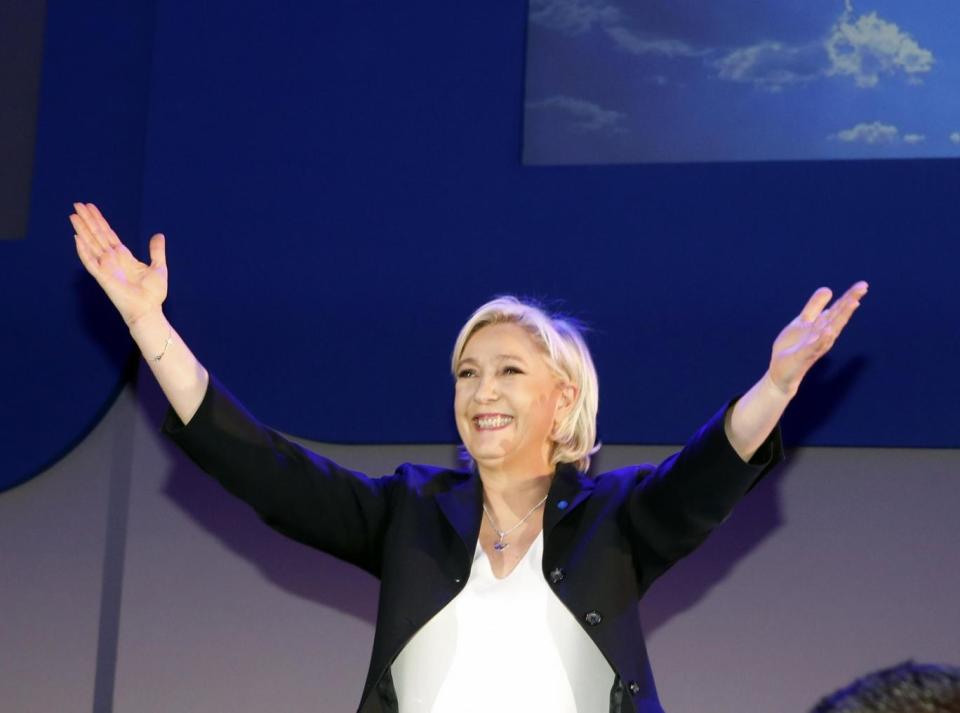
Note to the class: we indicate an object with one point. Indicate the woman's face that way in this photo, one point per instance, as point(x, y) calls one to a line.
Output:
point(507, 400)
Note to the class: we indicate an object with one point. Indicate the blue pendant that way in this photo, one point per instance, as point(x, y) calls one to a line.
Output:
point(500, 546)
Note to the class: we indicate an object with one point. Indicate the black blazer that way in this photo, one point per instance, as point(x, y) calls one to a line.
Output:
point(606, 538)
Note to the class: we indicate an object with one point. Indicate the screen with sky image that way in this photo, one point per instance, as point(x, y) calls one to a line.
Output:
point(636, 81)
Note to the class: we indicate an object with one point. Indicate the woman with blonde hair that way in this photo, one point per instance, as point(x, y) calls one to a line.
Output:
point(512, 584)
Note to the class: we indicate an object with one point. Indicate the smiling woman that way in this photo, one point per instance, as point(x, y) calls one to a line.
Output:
point(519, 560)
point(523, 340)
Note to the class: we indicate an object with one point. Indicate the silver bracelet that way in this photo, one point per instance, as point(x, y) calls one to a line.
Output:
point(159, 356)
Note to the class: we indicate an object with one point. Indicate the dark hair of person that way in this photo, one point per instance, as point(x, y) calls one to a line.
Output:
point(905, 688)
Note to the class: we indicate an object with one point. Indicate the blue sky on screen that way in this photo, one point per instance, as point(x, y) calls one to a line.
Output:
point(628, 81)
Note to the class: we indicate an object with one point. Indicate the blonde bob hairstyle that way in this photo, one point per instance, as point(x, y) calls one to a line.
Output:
point(565, 351)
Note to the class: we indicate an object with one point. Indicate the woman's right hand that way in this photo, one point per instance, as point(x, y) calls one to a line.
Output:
point(134, 288)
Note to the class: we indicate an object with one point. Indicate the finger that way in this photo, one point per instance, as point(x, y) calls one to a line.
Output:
point(103, 226)
point(815, 304)
point(97, 225)
point(86, 235)
point(859, 288)
point(840, 312)
point(88, 259)
point(158, 253)
point(839, 321)
point(91, 227)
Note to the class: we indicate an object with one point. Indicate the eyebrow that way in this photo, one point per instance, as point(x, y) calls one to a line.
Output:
point(498, 356)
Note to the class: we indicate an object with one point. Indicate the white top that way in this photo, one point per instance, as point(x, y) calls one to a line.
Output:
point(507, 645)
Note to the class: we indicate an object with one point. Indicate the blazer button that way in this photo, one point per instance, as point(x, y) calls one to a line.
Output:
point(633, 687)
point(557, 575)
point(592, 618)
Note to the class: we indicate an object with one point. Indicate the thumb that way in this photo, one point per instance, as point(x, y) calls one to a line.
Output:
point(158, 253)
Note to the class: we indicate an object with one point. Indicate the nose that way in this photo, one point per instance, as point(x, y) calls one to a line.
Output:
point(486, 390)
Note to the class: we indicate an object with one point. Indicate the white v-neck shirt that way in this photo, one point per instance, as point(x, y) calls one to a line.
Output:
point(506, 645)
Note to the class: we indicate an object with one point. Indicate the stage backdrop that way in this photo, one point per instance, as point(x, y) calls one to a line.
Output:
point(341, 185)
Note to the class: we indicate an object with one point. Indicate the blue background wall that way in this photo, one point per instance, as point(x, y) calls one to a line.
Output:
point(340, 186)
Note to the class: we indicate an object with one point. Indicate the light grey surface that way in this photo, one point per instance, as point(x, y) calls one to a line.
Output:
point(843, 561)
point(52, 552)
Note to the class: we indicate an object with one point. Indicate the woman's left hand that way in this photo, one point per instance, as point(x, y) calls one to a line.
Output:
point(810, 335)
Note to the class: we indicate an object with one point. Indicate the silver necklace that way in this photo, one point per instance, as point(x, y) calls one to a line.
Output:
point(501, 545)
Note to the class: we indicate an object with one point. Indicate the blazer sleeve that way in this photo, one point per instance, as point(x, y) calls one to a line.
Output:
point(297, 492)
point(673, 508)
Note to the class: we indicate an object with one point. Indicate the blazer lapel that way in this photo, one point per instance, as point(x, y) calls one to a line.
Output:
point(462, 505)
point(568, 489)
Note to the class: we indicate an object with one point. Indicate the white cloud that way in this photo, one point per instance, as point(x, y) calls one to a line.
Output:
point(955, 137)
point(573, 17)
point(871, 46)
point(629, 42)
point(863, 50)
point(874, 133)
point(584, 115)
point(914, 138)
point(771, 65)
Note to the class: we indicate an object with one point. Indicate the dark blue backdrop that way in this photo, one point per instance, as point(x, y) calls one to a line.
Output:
point(340, 186)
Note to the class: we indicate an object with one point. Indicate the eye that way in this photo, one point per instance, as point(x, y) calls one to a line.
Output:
point(511, 370)
point(465, 373)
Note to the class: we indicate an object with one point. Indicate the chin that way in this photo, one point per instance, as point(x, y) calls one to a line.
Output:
point(487, 458)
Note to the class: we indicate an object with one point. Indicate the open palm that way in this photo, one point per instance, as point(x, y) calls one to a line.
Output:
point(811, 335)
point(135, 288)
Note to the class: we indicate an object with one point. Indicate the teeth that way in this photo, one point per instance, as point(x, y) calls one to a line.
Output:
point(493, 421)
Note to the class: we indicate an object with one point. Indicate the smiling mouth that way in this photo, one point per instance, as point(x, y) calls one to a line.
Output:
point(492, 423)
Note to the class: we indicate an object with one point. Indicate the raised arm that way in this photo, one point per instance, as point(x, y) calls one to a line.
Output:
point(675, 506)
point(137, 291)
point(797, 348)
point(303, 495)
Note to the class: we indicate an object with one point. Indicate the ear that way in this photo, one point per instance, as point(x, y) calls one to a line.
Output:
point(568, 397)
